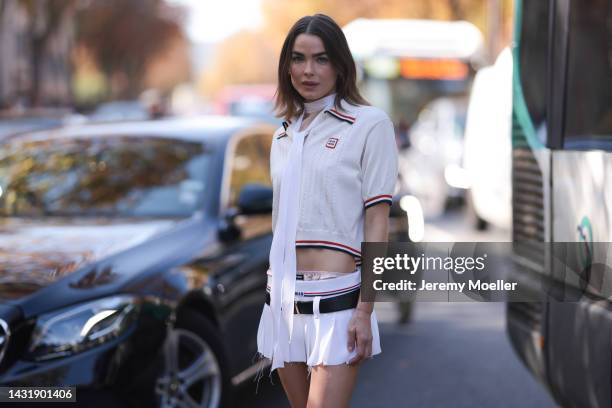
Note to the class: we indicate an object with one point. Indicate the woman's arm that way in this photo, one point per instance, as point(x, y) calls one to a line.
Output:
point(376, 228)
point(379, 169)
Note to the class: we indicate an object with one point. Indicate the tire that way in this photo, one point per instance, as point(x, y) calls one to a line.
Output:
point(478, 223)
point(195, 365)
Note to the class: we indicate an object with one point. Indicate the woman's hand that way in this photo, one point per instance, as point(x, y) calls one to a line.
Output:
point(360, 335)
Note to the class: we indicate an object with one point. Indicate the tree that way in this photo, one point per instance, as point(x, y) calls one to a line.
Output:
point(123, 36)
point(45, 18)
point(246, 57)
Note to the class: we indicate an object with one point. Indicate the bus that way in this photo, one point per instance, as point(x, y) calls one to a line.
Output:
point(562, 190)
point(405, 63)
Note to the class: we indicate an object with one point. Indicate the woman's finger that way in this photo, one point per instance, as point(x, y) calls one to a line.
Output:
point(352, 333)
point(361, 344)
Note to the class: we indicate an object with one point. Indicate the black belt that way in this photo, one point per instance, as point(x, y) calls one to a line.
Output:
point(328, 305)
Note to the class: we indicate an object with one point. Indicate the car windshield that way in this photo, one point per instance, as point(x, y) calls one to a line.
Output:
point(110, 176)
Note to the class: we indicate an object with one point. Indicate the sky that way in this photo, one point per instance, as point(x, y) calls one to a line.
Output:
point(214, 20)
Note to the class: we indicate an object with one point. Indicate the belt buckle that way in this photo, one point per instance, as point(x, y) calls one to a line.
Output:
point(296, 309)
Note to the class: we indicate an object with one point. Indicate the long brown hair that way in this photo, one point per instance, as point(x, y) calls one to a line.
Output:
point(289, 102)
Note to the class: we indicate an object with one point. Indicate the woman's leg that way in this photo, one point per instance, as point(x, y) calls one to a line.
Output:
point(331, 386)
point(294, 377)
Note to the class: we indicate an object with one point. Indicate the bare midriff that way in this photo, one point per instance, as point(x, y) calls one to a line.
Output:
point(320, 259)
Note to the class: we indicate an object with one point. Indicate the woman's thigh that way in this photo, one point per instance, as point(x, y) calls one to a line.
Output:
point(294, 377)
point(332, 385)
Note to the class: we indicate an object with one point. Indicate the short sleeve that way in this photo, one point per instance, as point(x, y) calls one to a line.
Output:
point(379, 164)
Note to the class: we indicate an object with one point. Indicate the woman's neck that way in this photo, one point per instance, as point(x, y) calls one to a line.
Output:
point(318, 105)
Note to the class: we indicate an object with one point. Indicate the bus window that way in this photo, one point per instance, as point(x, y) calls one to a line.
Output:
point(533, 60)
point(589, 95)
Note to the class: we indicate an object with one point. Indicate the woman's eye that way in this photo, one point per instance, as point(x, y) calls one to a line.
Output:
point(322, 60)
point(296, 58)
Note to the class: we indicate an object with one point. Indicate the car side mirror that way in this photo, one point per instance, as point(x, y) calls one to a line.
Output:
point(228, 230)
point(255, 199)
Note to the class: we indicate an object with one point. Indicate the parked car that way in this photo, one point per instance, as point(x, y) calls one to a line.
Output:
point(116, 111)
point(253, 101)
point(133, 259)
point(31, 120)
point(431, 167)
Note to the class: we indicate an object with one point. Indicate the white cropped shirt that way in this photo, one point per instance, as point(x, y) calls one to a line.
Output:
point(349, 164)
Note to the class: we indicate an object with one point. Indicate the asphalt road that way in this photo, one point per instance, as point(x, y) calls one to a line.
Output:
point(451, 355)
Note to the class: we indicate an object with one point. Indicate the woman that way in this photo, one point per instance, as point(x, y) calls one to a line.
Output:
point(334, 168)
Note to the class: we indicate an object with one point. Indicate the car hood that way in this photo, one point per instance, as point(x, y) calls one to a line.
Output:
point(34, 253)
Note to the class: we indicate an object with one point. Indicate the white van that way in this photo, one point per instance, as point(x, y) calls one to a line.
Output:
point(487, 150)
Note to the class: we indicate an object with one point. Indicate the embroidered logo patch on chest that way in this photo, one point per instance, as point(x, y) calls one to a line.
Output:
point(331, 143)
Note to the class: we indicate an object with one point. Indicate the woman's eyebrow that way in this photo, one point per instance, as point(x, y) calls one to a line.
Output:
point(314, 55)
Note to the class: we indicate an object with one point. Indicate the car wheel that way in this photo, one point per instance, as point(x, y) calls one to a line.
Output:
point(480, 224)
point(195, 367)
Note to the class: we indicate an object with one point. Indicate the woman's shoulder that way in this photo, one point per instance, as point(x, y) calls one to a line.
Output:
point(281, 131)
point(278, 131)
point(365, 114)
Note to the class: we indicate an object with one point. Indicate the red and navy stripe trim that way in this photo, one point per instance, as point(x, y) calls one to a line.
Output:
point(329, 245)
point(342, 116)
point(384, 198)
point(335, 291)
point(341, 291)
point(284, 134)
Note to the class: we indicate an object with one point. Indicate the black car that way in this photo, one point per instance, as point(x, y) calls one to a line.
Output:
point(133, 259)
point(13, 125)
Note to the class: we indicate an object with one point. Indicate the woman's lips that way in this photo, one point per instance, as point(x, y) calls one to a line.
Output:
point(310, 84)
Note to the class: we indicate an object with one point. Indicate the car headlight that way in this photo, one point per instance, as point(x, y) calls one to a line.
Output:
point(81, 327)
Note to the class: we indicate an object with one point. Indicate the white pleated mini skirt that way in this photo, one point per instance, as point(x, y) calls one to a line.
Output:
point(318, 338)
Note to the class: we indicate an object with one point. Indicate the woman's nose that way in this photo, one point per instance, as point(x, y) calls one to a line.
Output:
point(309, 68)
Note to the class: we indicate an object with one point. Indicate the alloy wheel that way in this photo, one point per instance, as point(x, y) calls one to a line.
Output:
point(192, 376)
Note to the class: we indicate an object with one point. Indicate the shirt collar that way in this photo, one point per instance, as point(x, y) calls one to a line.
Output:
point(342, 115)
point(346, 113)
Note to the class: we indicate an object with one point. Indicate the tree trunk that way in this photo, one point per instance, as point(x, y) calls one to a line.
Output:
point(457, 12)
point(37, 48)
point(3, 102)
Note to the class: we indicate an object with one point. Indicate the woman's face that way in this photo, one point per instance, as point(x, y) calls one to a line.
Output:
point(312, 73)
